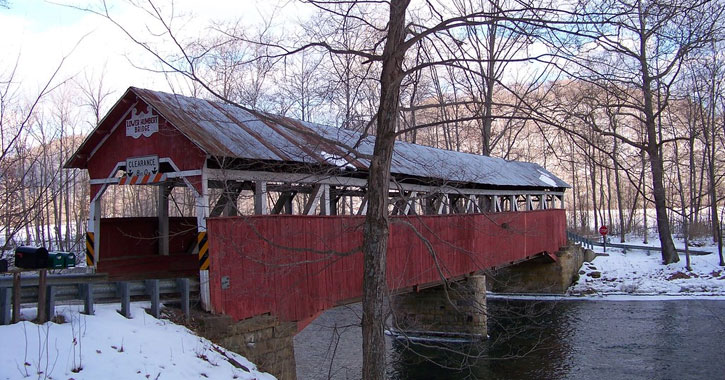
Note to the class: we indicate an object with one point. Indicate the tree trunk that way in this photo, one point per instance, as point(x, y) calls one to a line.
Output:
point(669, 254)
point(685, 214)
point(488, 101)
point(593, 178)
point(620, 203)
point(643, 189)
point(710, 136)
point(375, 233)
point(574, 193)
point(610, 218)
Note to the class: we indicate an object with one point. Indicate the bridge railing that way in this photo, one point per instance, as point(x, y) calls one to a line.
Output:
point(91, 289)
point(581, 240)
point(590, 243)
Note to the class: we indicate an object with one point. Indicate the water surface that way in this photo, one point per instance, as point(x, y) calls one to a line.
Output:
point(579, 339)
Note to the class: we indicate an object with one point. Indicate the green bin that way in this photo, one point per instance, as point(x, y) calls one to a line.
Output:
point(56, 260)
point(70, 259)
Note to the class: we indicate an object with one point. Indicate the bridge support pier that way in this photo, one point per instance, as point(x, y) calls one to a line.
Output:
point(264, 340)
point(457, 309)
point(541, 275)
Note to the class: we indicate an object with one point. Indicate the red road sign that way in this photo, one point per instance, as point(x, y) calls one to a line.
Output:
point(603, 230)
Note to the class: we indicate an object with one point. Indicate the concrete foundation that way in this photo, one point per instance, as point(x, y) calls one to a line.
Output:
point(458, 309)
point(264, 340)
point(540, 276)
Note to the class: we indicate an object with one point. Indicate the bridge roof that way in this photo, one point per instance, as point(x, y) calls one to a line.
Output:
point(229, 131)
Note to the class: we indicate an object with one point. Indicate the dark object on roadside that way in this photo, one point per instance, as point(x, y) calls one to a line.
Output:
point(3, 266)
point(60, 260)
point(31, 257)
point(70, 259)
point(56, 260)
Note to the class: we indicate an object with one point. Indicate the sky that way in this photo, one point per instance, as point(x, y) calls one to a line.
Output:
point(38, 34)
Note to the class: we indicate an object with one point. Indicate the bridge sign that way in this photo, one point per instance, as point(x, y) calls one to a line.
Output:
point(603, 230)
point(140, 166)
point(141, 124)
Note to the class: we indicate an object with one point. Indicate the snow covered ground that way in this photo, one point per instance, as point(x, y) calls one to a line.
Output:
point(637, 273)
point(108, 346)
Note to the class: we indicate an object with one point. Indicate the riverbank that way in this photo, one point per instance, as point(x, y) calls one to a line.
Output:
point(639, 272)
point(108, 346)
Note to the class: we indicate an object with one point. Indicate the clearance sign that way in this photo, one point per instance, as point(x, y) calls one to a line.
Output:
point(142, 170)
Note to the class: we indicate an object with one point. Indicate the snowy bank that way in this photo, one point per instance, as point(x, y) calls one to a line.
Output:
point(639, 273)
point(108, 346)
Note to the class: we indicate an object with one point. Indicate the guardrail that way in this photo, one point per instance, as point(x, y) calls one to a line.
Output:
point(590, 243)
point(585, 242)
point(91, 289)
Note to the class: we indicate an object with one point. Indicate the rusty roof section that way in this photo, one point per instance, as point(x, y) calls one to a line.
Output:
point(229, 131)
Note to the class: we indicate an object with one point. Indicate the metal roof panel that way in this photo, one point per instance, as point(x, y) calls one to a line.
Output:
point(227, 130)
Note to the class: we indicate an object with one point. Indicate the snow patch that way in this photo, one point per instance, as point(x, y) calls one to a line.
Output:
point(338, 161)
point(546, 179)
point(642, 273)
point(108, 346)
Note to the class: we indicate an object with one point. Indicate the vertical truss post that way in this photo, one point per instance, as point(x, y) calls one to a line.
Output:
point(202, 212)
point(260, 198)
point(163, 216)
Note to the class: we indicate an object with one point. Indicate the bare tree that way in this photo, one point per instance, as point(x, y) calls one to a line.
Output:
point(26, 187)
point(708, 91)
point(94, 95)
point(636, 49)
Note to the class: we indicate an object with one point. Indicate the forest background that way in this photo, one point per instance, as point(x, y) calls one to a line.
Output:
point(533, 83)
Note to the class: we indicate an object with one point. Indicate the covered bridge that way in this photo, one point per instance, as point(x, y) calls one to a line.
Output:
point(218, 151)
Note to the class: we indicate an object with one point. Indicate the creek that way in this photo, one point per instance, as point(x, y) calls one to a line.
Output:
point(564, 338)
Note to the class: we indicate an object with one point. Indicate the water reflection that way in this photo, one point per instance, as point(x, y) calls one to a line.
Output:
point(541, 340)
point(527, 340)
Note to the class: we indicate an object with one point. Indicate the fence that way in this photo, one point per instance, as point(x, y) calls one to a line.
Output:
point(590, 243)
point(90, 289)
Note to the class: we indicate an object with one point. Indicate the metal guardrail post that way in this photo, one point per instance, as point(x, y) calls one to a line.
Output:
point(6, 295)
point(183, 285)
point(49, 302)
point(125, 295)
point(586, 243)
point(152, 289)
point(16, 298)
point(42, 296)
point(87, 294)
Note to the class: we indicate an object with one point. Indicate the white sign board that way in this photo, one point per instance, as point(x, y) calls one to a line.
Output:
point(141, 166)
point(142, 124)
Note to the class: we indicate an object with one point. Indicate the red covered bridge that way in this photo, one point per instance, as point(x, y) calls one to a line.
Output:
point(453, 213)
point(297, 266)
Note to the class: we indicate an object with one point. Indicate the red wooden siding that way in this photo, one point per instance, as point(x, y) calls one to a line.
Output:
point(168, 142)
point(297, 266)
point(129, 248)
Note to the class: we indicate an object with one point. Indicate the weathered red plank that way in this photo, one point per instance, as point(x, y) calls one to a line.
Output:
point(168, 142)
point(295, 266)
point(129, 248)
point(134, 237)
